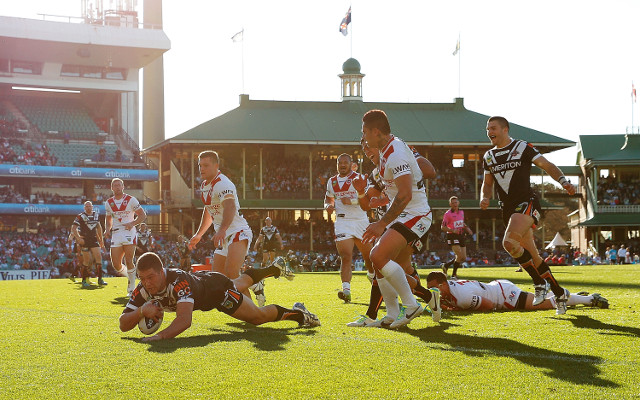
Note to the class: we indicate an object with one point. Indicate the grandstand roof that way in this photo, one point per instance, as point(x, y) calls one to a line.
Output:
point(609, 149)
point(339, 123)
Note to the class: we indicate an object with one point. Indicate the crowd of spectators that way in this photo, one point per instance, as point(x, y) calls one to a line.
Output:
point(615, 192)
point(28, 152)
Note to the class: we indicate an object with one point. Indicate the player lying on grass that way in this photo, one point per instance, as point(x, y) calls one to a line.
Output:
point(501, 294)
point(182, 292)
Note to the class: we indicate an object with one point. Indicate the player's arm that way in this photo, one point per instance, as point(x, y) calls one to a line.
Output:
point(139, 218)
point(70, 240)
point(184, 313)
point(329, 203)
point(427, 169)
point(99, 235)
point(399, 203)
point(130, 318)
point(228, 213)
point(280, 240)
point(486, 190)
point(108, 224)
point(76, 234)
point(553, 171)
point(205, 223)
point(485, 305)
point(258, 241)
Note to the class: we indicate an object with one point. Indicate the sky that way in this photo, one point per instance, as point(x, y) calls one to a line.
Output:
point(562, 67)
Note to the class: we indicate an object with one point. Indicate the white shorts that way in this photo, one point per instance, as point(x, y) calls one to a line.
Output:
point(508, 299)
point(350, 228)
point(123, 237)
point(237, 236)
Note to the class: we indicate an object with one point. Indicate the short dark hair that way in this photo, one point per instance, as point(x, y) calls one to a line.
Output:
point(213, 155)
point(149, 260)
point(345, 155)
point(377, 119)
point(438, 276)
point(502, 121)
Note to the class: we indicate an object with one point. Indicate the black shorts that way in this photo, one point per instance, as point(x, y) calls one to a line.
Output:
point(418, 244)
point(530, 207)
point(269, 247)
point(87, 246)
point(453, 239)
point(220, 293)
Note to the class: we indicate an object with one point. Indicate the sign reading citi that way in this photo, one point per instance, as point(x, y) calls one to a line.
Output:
point(41, 171)
point(61, 209)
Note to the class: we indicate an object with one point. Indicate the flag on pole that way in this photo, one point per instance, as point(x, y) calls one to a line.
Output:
point(633, 92)
point(457, 47)
point(237, 37)
point(345, 22)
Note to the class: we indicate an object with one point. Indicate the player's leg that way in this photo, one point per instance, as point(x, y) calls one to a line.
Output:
point(84, 271)
point(365, 250)
point(219, 260)
point(272, 257)
point(129, 253)
point(236, 253)
point(517, 228)
point(265, 258)
point(345, 252)
point(458, 260)
point(249, 312)
point(383, 253)
point(97, 262)
point(542, 267)
point(117, 252)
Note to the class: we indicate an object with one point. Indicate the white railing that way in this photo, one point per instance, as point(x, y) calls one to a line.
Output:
point(626, 209)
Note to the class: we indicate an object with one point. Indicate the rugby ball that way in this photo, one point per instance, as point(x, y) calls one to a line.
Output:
point(147, 325)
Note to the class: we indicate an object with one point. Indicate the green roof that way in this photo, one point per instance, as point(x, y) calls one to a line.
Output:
point(571, 170)
point(610, 219)
point(610, 149)
point(340, 123)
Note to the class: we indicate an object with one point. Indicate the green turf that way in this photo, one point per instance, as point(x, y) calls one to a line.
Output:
point(59, 341)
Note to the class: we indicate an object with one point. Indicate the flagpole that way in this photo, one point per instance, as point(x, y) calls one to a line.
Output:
point(459, 65)
point(632, 101)
point(242, 51)
point(351, 49)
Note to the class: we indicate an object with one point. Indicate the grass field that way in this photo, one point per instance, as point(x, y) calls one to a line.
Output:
point(59, 341)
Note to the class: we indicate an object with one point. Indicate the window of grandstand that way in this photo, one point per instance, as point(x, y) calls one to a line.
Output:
point(26, 67)
point(4, 65)
point(70, 70)
point(91, 72)
point(116, 73)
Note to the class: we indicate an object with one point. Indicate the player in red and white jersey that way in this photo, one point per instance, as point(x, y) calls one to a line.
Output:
point(453, 224)
point(222, 209)
point(501, 294)
point(351, 220)
point(123, 212)
point(408, 216)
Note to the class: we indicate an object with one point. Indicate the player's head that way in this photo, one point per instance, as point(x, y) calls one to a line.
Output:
point(372, 153)
point(151, 272)
point(143, 227)
point(454, 203)
point(117, 186)
point(344, 164)
point(268, 221)
point(498, 131)
point(437, 279)
point(376, 128)
point(88, 207)
point(208, 163)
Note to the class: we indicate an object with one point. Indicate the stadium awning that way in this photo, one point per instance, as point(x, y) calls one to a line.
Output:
point(612, 220)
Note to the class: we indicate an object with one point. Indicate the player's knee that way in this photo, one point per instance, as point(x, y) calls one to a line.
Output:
point(378, 258)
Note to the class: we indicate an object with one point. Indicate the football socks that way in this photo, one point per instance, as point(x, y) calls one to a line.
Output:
point(375, 300)
point(394, 274)
point(545, 273)
point(290, 315)
point(526, 262)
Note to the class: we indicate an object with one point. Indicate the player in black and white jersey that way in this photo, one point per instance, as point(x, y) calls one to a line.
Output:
point(271, 241)
point(87, 232)
point(183, 292)
point(508, 164)
point(144, 243)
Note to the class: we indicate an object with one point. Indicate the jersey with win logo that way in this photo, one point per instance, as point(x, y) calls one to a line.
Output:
point(511, 169)
point(269, 233)
point(88, 225)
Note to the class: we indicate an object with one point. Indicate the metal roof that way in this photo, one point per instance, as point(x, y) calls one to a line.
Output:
point(340, 123)
point(609, 149)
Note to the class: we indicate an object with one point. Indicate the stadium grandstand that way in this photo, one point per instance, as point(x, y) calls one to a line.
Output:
point(69, 118)
point(280, 155)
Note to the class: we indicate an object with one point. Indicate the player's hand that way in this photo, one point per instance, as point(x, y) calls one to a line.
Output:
point(152, 310)
point(359, 183)
point(80, 241)
point(569, 188)
point(484, 203)
point(346, 201)
point(373, 231)
point(153, 338)
point(129, 225)
point(330, 208)
point(218, 238)
point(194, 241)
point(376, 202)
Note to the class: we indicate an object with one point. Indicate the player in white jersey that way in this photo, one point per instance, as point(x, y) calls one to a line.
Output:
point(222, 209)
point(351, 221)
point(501, 294)
point(123, 212)
point(408, 215)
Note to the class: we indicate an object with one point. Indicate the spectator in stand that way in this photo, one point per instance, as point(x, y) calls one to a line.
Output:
point(622, 254)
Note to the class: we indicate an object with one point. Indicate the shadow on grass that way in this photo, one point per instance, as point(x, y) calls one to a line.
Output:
point(584, 321)
point(578, 369)
point(263, 338)
point(120, 301)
